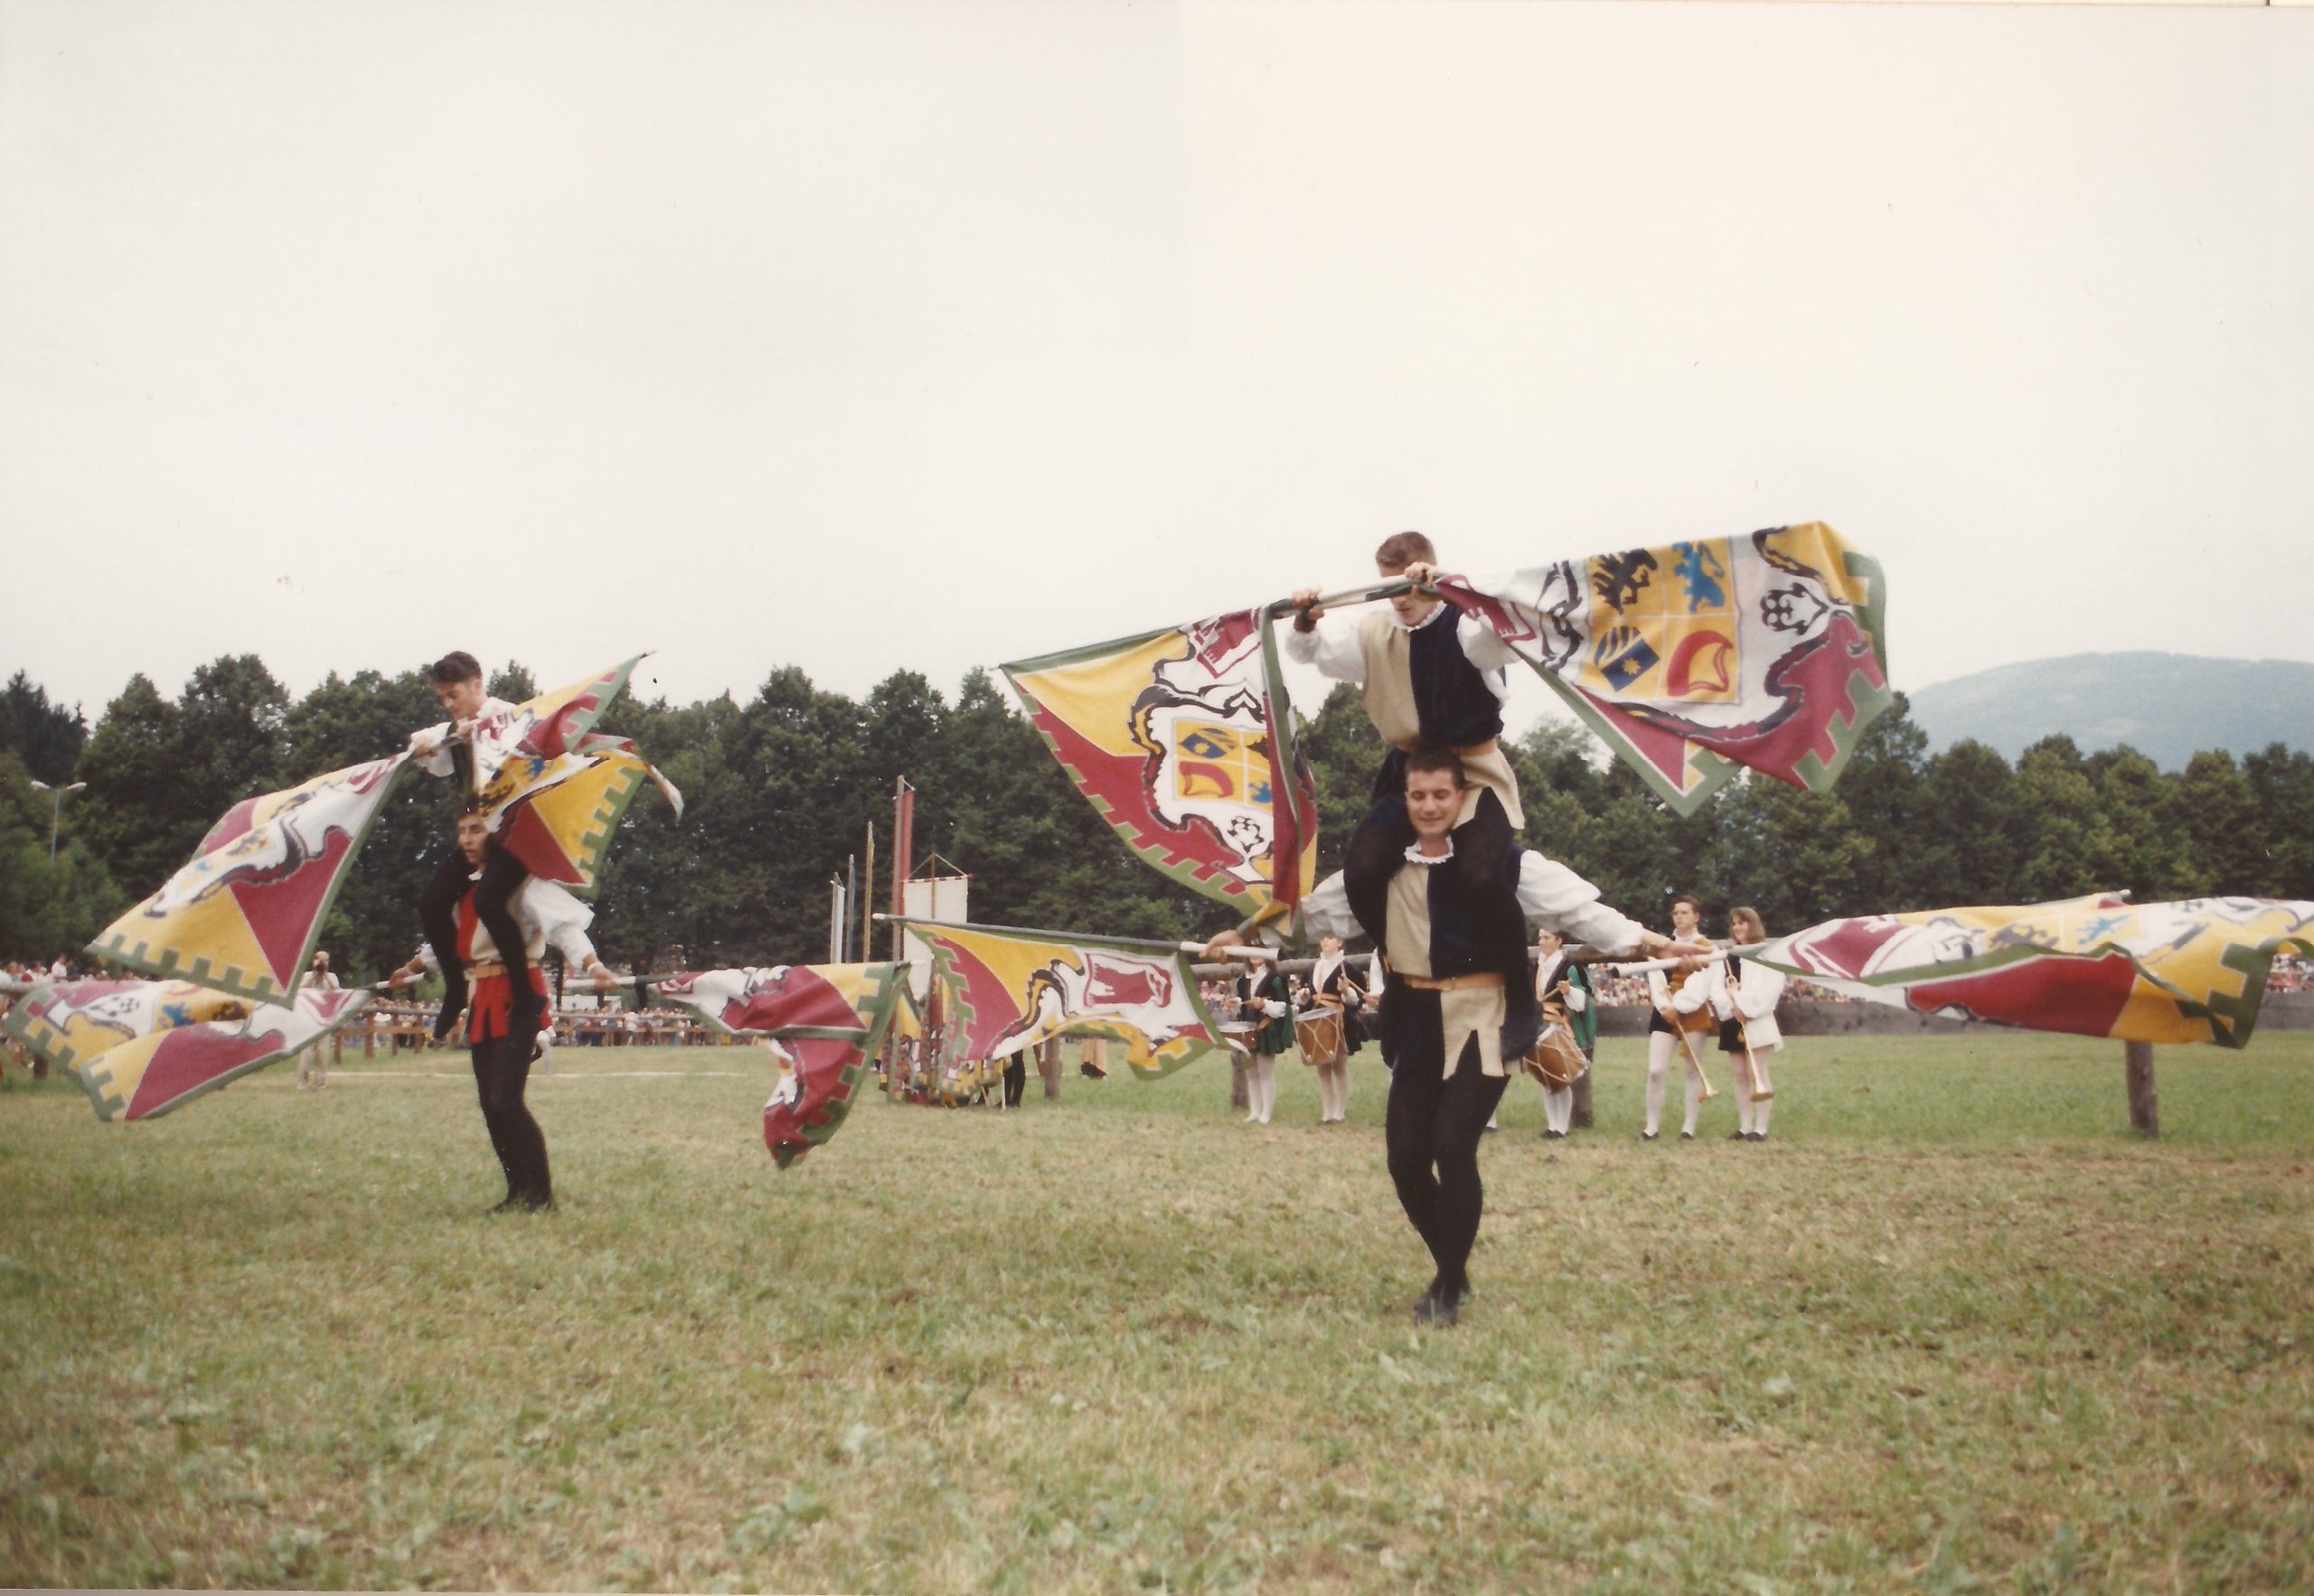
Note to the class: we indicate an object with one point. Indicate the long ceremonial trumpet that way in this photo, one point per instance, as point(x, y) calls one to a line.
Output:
point(1760, 1091)
point(1695, 1062)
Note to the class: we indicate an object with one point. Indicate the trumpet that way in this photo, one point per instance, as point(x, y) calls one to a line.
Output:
point(1679, 1022)
point(1758, 1082)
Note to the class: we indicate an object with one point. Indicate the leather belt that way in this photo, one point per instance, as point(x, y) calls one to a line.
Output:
point(1453, 983)
point(1475, 751)
point(485, 971)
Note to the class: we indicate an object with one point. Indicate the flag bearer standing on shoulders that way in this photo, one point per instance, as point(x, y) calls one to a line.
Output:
point(1430, 678)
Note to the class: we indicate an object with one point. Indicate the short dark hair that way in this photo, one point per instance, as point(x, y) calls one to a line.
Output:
point(1401, 550)
point(1689, 898)
point(1422, 761)
point(459, 666)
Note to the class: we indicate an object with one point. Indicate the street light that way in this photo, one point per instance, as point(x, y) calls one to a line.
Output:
point(55, 809)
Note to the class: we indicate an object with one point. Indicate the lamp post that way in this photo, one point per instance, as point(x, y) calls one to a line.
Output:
point(55, 809)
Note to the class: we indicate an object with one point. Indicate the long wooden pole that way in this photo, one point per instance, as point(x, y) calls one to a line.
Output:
point(2145, 1103)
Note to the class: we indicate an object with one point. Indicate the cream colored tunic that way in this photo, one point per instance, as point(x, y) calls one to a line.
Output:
point(1388, 693)
point(1463, 1013)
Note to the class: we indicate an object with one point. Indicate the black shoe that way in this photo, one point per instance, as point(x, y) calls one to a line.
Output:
point(1437, 1310)
point(1739, 1136)
point(1759, 1136)
point(1687, 1135)
point(1647, 1135)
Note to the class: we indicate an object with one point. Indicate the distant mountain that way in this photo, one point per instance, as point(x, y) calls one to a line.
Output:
point(2167, 707)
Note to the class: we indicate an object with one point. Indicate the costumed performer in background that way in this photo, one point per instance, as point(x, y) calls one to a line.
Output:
point(501, 1041)
point(1265, 1002)
point(1333, 991)
point(1458, 1003)
point(1743, 996)
point(1665, 1034)
point(1560, 977)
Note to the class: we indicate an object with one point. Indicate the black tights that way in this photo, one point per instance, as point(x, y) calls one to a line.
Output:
point(1432, 1131)
point(1016, 1078)
point(438, 912)
point(502, 1070)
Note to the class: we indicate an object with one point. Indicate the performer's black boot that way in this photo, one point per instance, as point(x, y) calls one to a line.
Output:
point(437, 914)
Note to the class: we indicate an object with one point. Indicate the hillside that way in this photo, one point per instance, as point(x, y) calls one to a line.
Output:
point(2167, 707)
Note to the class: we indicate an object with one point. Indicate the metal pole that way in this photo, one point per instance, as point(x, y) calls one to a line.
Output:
point(869, 875)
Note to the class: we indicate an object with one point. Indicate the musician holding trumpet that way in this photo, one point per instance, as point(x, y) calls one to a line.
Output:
point(1743, 996)
point(1678, 1017)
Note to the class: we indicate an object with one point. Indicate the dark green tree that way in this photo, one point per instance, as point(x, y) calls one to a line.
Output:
point(47, 737)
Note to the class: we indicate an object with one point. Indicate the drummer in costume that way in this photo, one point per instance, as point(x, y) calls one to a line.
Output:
point(448, 750)
point(1458, 1005)
point(1330, 1032)
point(1265, 1001)
point(1743, 996)
point(501, 1044)
point(1560, 979)
point(1429, 678)
point(1670, 1007)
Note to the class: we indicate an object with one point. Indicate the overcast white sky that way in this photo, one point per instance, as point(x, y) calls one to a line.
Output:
point(863, 336)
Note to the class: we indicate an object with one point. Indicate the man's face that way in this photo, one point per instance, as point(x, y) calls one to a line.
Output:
point(1685, 919)
point(1328, 946)
point(1413, 607)
point(460, 701)
point(1433, 799)
point(1549, 943)
point(473, 837)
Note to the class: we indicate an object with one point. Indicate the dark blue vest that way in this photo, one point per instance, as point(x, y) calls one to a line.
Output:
point(1452, 701)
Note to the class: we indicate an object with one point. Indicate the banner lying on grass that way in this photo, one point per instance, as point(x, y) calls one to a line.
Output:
point(1692, 659)
point(242, 915)
point(821, 1021)
point(141, 1047)
point(2190, 971)
point(1011, 990)
point(1183, 741)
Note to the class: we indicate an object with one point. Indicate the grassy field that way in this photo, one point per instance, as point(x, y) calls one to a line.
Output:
point(1952, 1329)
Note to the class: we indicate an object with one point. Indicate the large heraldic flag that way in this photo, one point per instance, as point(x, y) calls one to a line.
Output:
point(1012, 989)
point(2097, 966)
point(1693, 658)
point(554, 788)
point(1183, 741)
point(243, 914)
point(139, 1048)
point(821, 1021)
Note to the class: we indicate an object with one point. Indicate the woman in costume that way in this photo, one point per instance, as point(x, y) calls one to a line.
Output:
point(1743, 998)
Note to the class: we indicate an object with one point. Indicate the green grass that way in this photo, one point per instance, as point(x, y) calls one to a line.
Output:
point(1953, 1327)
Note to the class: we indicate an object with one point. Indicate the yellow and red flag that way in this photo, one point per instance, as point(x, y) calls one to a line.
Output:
point(2097, 966)
point(1693, 658)
point(1011, 990)
point(243, 914)
point(139, 1048)
point(1183, 741)
point(821, 1021)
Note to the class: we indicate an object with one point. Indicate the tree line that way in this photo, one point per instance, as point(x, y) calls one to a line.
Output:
point(782, 788)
